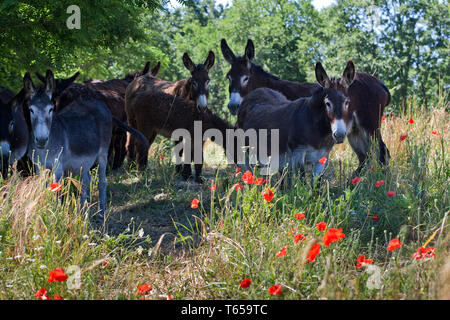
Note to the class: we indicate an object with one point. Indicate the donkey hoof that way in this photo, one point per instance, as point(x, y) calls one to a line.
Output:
point(199, 179)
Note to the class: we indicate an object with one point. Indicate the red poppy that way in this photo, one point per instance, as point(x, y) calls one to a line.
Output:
point(57, 297)
point(321, 226)
point(276, 290)
point(403, 137)
point(394, 244)
point(194, 203)
point(54, 187)
point(238, 170)
point(299, 216)
point(313, 252)
point(299, 237)
point(144, 289)
point(379, 183)
point(212, 188)
point(246, 283)
point(361, 261)
point(390, 194)
point(375, 218)
point(238, 186)
point(333, 235)
point(259, 181)
point(424, 253)
point(356, 180)
point(434, 132)
point(282, 252)
point(323, 160)
point(383, 118)
point(268, 195)
point(41, 294)
point(248, 178)
point(57, 275)
point(411, 120)
point(162, 157)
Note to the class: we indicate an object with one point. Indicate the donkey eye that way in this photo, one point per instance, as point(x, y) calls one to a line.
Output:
point(51, 110)
point(31, 110)
point(329, 106)
point(11, 126)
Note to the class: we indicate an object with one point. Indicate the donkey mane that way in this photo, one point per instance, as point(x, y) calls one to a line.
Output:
point(258, 69)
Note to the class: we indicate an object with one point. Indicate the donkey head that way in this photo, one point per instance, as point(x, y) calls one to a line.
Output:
point(154, 71)
point(41, 107)
point(13, 132)
point(335, 100)
point(199, 80)
point(239, 74)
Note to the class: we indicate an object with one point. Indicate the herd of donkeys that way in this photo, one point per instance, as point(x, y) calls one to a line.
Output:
point(70, 127)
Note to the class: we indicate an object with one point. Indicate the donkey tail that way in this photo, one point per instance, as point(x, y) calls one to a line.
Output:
point(142, 139)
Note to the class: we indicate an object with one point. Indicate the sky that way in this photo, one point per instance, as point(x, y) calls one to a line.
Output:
point(318, 4)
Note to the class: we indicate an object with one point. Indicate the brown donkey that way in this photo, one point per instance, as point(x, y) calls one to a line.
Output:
point(369, 96)
point(153, 105)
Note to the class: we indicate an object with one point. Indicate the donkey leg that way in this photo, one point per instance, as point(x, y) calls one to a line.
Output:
point(384, 151)
point(118, 143)
point(86, 186)
point(179, 167)
point(142, 152)
point(359, 142)
point(198, 170)
point(102, 163)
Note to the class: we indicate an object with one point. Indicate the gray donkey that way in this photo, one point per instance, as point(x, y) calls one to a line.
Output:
point(71, 140)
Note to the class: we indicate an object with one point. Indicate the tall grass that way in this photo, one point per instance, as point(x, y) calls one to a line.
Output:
point(236, 234)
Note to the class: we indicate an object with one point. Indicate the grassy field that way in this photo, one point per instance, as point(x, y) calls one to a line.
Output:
point(153, 236)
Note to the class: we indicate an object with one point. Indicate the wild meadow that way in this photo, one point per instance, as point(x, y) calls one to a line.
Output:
point(236, 236)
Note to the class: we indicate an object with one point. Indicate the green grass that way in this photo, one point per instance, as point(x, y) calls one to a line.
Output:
point(154, 236)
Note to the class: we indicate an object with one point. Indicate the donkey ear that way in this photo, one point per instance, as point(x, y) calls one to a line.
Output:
point(40, 77)
point(28, 85)
point(227, 52)
point(250, 50)
point(321, 76)
point(188, 62)
point(146, 68)
point(209, 62)
point(62, 84)
point(49, 83)
point(155, 69)
point(349, 73)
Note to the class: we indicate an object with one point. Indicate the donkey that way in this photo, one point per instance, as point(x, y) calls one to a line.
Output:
point(245, 76)
point(308, 127)
point(13, 129)
point(72, 139)
point(150, 104)
point(369, 96)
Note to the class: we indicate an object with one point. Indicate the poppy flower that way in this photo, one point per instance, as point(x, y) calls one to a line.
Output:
point(259, 181)
point(299, 216)
point(356, 180)
point(194, 203)
point(361, 261)
point(403, 137)
point(144, 289)
point(245, 283)
point(333, 235)
point(212, 188)
point(238, 186)
point(390, 194)
point(299, 237)
point(57, 297)
point(379, 183)
point(57, 275)
point(424, 253)
point(394, 244)
point(282, 252)
point(41, 294)
point(375, 218)
point(323, 160)
point(237, 171)
point(411, 121)
point(434, 132)
point(383, 118)
point(321, 226)
point(162, 157)
point(276, 290)
point(313, 252)
point(247, 177)
point(55, 187)
point(268, 195)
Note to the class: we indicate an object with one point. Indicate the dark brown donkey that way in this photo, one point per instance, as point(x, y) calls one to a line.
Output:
point(369, 96)
point(308, 127)
point(154, 105)
point(112, 93)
